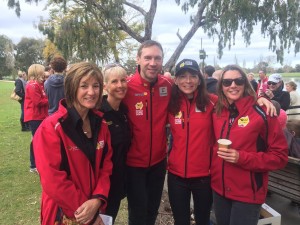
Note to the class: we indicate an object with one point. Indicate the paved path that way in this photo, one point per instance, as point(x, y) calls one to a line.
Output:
point(290, 213)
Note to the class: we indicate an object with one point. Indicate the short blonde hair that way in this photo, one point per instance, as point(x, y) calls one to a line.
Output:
point(36, 71)
point(74, 75)
point(113, 70)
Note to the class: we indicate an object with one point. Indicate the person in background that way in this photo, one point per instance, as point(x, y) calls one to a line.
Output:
point(36, 104)
point(252, 80)
point(217, 74)
point(190, 108)
point(20, 87)
point(74, 163)
point(168, 75)
point(257, 148)
point(211, 82)
point(147, 99)
point(291, 87)
point(48, 72)
point(275, 92)
point(293, 137)
point(115, 115)
point(262, 83)
point(54, 85)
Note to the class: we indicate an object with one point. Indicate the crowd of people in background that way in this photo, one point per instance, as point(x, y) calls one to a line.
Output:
point(100, 136)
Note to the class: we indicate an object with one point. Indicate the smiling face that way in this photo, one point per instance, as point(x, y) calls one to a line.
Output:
point(187, 82)
point(273, 86)
point(150, 61)
point(234, 91)
point(116, 86)
point(88, 94)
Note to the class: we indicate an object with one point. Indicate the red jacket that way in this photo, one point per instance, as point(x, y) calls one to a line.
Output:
point(192, 139)
point(36, 102)
point(68, 177)
point(247, 180)
point(147, 113)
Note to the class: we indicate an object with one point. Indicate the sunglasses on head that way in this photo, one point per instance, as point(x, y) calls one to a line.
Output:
point(271, 83)
point(112, 65)
point(238, 81)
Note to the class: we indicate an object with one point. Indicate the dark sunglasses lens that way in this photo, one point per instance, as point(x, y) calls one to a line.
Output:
point(271, 83)
point(237, 81)
point(227, 82)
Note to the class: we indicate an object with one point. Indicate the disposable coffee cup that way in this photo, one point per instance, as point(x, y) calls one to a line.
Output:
point(224, 143)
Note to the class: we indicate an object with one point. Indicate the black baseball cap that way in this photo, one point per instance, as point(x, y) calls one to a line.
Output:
point(187, 64)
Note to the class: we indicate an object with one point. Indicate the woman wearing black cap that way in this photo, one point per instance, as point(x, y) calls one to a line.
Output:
point(190, 111)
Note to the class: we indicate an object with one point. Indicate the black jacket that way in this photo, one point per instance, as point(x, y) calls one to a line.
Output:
point(283, 98)
point(120, 141)
point(19, 89)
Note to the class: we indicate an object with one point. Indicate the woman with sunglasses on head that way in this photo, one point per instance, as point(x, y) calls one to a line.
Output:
point(239, 174)
point(115, 114)
point(74, 162)
point(275, 92)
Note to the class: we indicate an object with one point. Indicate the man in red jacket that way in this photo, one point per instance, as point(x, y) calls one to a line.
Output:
point(147, 100)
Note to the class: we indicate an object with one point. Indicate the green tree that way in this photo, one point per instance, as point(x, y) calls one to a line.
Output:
point(7, 61)
point(221, 19)
point(297, 68)
point(29, 51)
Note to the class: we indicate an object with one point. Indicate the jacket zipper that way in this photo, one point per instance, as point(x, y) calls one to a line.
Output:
point(151, 137)
point(223, 166)
point(187, 136)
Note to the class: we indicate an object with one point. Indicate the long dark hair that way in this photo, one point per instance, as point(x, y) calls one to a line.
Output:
point(222, 100)
point(201, 99)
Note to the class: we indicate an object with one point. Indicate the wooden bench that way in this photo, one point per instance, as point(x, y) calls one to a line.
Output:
point(286, 182)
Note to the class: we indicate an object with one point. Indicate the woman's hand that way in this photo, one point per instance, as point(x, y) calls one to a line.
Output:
point(269, 93)
point(271, 110)
point(86, 212)
point(229, 154)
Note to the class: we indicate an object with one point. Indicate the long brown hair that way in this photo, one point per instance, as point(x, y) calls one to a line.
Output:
point(202, 98)
point(222, 100)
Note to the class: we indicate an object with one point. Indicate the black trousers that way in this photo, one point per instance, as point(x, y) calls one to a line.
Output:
point(144, 190)
point(231, 212)
point(180, 191)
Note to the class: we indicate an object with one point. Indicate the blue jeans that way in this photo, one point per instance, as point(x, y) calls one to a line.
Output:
point(231, 212)
point(144, 190)
point(180, 191)
point(33, 124)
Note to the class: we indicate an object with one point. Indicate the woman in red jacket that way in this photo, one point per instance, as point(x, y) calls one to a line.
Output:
point(36, 103)
point(74, 162)
point(239, 174)
point(190, 111)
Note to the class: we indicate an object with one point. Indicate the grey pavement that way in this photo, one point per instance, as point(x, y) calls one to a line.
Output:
point(290, 213)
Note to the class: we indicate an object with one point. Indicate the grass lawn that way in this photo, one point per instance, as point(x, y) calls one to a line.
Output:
point(19, 189)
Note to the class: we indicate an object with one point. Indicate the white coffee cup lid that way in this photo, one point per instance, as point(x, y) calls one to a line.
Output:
point(224, 142)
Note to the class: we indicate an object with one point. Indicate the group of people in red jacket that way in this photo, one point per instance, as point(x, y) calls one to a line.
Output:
point(82, 149)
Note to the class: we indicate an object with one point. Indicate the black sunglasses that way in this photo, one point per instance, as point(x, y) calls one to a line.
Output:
point(238, 81)
point(271, 83)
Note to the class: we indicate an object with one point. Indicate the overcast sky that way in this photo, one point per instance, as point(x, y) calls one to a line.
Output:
point(167, 21)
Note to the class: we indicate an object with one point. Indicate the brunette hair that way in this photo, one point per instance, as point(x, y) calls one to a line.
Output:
point(222, 100)
point(58, 64)
point(202, 98)
point(74, 75)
